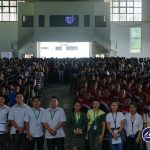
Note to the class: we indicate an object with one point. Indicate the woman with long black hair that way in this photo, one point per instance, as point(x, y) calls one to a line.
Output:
point(77, 123)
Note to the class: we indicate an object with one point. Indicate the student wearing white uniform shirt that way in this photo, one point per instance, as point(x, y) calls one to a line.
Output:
point(146, 119)
point(16, 116)
point(115, 125)
point(3, 124)
point(34, 127)
point(134, 126)
point(53, 120)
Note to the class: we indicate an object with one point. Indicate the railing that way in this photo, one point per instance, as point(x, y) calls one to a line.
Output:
point(105, 41)
point(28, 37)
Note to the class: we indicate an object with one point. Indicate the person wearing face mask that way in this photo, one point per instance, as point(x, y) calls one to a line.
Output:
point(115, 124)
point(77, 123)
point(96, 126)
point(53, 120)
point(133, 127)
point(16, 117)
point(35, 131)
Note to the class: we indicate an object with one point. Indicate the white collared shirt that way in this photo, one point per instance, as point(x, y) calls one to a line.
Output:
point(146, 119)
point(34, 118)
point(115, 119)
point(137, 124)
point(17, 113)
point(58, 117)
point(4, 116)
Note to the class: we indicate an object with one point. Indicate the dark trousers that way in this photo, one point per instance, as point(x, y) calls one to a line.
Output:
point(56, 142)
point(94, 141)
point(4, 139)
point(132, 145)
point(39, 141)
point(19, 142)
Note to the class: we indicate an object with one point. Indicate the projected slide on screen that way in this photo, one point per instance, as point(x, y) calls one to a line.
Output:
point(64, 20)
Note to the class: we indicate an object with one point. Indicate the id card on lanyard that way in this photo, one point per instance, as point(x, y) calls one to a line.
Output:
point(118, 140)
point(115, 122)
point(95, 117)
point(114, 119)
point(132, 130)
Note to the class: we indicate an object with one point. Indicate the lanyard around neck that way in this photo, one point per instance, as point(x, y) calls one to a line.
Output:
point(114, 119)
point(36, 115)
point(77, 117)
point(52, 113)
point(132, 121)
point(95, 115)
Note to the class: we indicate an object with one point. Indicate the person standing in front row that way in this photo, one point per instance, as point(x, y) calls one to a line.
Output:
point(34, 127)
point(134, 126)
point(115, 124)
point(53, 120)
point(146, 119)
point(4, 137)
point(77, 124)
point(16, 116)
point(96, 126)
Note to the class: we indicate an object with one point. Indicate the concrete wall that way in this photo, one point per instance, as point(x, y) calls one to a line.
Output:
point(8, 33)
point(12, 31)
point(81, 33)
point(24, 9)
point(63, 33)
point(120, 31)
point(70, 34)
point(103, 9)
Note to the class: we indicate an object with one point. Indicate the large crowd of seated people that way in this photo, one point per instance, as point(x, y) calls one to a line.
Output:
point(22, 75)
point(124, 80)
point(108, 80)
point(112, 102)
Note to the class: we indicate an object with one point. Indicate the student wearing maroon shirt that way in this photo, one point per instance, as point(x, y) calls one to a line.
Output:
point(129, 89)
point(106, 97)
point(122, 95)
point(98, 94)
point(116, 90)
point(93, 89)
point(138, 92)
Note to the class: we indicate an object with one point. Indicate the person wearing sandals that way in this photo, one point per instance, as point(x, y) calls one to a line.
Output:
point(96, 126)
point(115, 124)
point(77, 124)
